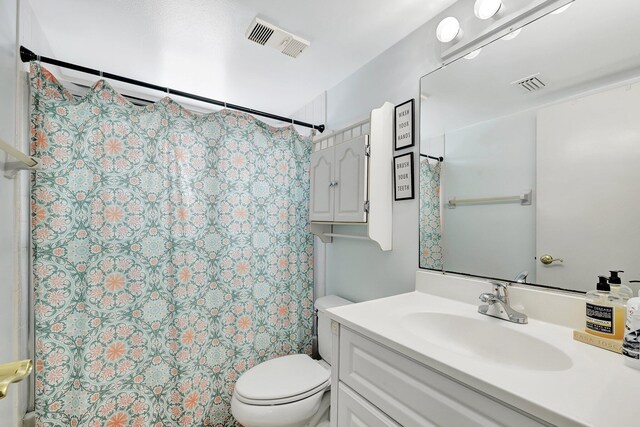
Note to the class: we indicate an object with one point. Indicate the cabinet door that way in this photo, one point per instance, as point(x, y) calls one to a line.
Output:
point(414, 395)
point(351, 177)
point(354, 411)
point(321, 208)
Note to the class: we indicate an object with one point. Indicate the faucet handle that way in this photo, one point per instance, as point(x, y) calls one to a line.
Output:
point(487, 297)
point(500, 289)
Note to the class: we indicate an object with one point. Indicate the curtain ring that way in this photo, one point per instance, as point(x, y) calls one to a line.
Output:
point(225, 105)
point(38, 58)
point(101, 75)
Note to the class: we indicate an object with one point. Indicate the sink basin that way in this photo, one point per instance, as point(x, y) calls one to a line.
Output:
point(486, 340)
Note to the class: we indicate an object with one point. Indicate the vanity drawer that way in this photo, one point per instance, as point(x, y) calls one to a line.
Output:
point(354, 411)
point(414, 395)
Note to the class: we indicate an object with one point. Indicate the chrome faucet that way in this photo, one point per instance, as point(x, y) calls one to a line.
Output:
point(522, 277)
point(497, 304)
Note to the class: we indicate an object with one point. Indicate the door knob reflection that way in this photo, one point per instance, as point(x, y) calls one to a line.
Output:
point(548, 259)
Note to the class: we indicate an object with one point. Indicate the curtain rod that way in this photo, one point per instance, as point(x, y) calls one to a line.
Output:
point(27, 55)
point(440, 159)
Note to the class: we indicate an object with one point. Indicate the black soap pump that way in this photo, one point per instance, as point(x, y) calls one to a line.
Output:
point(617, 287)
point(603, 284)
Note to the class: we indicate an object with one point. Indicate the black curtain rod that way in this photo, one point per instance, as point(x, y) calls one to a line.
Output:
point(27, 55)
point(440, 159)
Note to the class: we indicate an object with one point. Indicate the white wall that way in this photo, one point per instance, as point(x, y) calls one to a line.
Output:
point(588, 175)
point(13, 322)
point(30, 33)
point(358, 270)
point(316, 112)
point(17, 26)
point(313, 112)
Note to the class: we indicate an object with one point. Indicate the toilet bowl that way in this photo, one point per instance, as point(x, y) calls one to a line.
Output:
point(282, 392)
point(289, 391)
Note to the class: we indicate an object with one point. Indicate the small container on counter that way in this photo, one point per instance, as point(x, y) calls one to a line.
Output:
point(615, 283)
point(605, 314)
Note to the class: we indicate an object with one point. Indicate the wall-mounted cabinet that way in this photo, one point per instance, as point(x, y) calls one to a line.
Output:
point(351, 180)
point(339, 182)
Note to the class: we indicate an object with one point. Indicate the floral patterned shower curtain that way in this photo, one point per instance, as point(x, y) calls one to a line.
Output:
point(430, 223)
point(171, 254)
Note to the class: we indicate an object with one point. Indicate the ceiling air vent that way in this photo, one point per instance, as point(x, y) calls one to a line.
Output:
point(260, 33)
point(294, 47)
point(531, 84)
point(267, 34)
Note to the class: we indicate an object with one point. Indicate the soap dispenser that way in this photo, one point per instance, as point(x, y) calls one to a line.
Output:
point(615, 283)
point(605, 313)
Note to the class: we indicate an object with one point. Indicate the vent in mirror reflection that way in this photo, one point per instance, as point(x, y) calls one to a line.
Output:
point(530, 84)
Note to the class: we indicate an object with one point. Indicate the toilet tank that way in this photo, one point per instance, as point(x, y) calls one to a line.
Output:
point(324, 324)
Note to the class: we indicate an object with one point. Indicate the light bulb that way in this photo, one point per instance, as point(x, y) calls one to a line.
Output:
point(512, 35)
point(561, 9)
point(485, 9)
point(473, 54)
point(448, 29)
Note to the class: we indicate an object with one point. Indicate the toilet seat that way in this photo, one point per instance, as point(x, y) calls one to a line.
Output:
point(282, 380)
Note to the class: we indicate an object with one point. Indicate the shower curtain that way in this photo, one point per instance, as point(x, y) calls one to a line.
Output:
point(170, 255)
point(430, 218)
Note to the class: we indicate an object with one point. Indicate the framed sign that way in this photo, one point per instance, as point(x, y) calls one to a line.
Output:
point(403, 176)
point(404, 125)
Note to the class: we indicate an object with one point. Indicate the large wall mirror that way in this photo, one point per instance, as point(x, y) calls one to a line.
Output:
point(540, 135)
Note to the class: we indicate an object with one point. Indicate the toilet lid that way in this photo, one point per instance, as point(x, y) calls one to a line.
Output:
point(283, 378)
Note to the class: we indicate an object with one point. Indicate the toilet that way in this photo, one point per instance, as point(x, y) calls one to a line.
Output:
point(289, 391)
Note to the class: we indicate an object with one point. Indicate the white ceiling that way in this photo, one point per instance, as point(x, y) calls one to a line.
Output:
point(589, 46)
point(199, 46)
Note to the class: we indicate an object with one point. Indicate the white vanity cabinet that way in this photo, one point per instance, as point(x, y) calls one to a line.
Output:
point(377, 386)
point(357, 412)
point(339, 182)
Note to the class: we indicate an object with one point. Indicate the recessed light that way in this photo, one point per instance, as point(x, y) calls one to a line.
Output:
point(561, 9)
point(512, 35)
point(485, 9)
point(448, 29)
point(473, 54)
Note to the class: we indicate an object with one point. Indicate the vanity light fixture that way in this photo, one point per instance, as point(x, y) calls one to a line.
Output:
point(561, 9)
point(512, 35)
point(485, 9)
point(448, 29)
point(473, 54)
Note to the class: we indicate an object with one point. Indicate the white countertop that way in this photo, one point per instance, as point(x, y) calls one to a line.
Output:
point(597, 390)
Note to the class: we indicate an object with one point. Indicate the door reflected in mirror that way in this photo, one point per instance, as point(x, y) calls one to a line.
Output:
point(540, 136)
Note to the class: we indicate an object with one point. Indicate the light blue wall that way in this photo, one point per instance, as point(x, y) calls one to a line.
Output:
point(358, 270)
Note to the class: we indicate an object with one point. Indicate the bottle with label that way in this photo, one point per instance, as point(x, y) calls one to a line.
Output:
point(615, 283)
point(605, 312)
point(631, 342)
